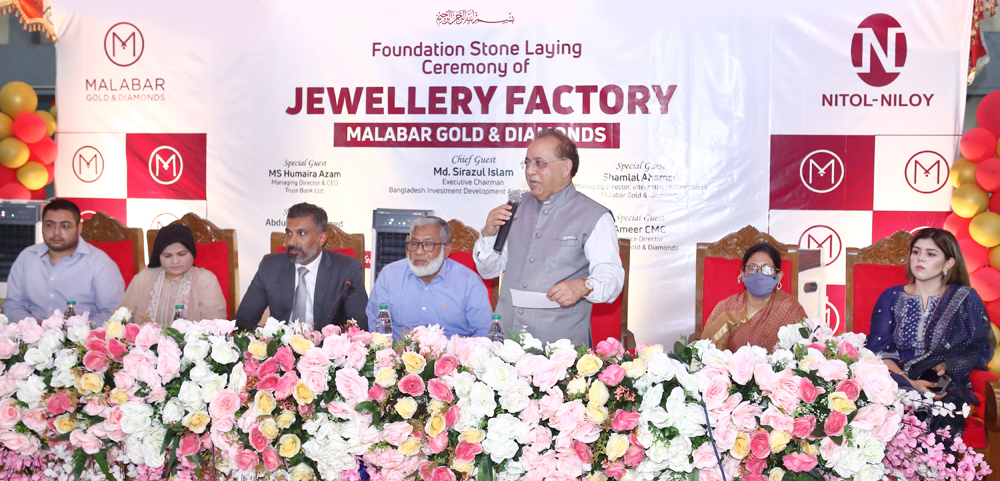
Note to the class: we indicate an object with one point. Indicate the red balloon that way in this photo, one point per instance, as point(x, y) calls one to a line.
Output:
point(975, 254)
point(44, 151)
point(7, 175)
point(38, 194)
point(987, 174)
point(986, 282)
point(958, 225)
point(988, 113)
point(51, 169)
point(14, 190)
point(977, 145)
point(29, 128)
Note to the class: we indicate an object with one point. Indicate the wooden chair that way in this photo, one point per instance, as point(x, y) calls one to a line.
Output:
point(216, 252)
point(611, 319)
point(872, 270)
point(719, 264)
point(337, 240)
point(123, 244)
point(463, 238)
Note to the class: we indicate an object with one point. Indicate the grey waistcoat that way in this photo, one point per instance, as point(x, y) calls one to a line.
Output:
point(544, 248)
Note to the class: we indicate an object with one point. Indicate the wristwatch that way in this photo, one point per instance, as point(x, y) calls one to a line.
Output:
point(589, 284)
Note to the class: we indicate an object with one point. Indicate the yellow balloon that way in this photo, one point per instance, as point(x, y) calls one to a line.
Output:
point(17, 98)
point(969, 200)
point(994, 365)
point(985, 229)
point(50, 122)
point(53, 112)
point(962, 172)
point(6, 126)
point(13, 153)
point(33, 175)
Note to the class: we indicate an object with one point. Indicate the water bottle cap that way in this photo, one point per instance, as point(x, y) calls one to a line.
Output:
point(496, 316)
point(383, 306)
point(179, 306)
point(70, 303)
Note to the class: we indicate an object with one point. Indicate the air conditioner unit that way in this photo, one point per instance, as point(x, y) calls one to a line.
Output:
point(20, 227)
point(389, 230)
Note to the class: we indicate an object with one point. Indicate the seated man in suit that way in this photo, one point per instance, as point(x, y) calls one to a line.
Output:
point(428, 288)
point(306, 283)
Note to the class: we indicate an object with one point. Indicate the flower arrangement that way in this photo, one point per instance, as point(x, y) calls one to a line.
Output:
point(199, 401)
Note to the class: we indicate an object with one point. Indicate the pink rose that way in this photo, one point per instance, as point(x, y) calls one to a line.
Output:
point(396, 433)
point(250, 366)
point(610, 348)
point(799, 462)
point(776, 419)
point(131, 332)
point(168, 362)
point(13, 441)
point(745, 416)
point(411, 384)
point(755, 465)
point(31, 332)
point(36, 420)
point(157, 395)
point(8, 348)
point(377, 393)
point(225, 404)
point(20, 370)
point(246, 460)
point(851, 388)
point(612, 375)
point(547, 372)
point(760, 444)
point(766, 378)
point(634, 455)
point(148, 336)
point(141, 365)
point(439, 390)
point(269, 366)
point(754, 477)
point(89, 443)
point(742, 364)
point(356, 355)
point(271, 460)
point(870, 416)
point(615, 469)
point(875, 380)
point(314, 360)
point(887, 430)
point(466, 452)
point(57, 404)
point(189, 445)
point(285, 385)
point(438, 443)
point(352, 385)
point(569, 416)
point(257, 439)
point(95, 407)
point(330, 330)
point(10, 414)
point(624, 420)
point(318, 381)
point(835, 422)
point(284, 358)
point(704, 457)
point(817, 346)
point(116, 349)
point(53, 323)
point(95, 361)
point(847, 349)
point(442, 473)
point(807, 390)
point(445, 365)
point(451, 416)
point(831, 369)
point(717, 392)
point(268, 383)
point(804, 426)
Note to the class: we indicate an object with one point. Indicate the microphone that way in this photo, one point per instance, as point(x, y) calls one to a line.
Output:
point(513, 200)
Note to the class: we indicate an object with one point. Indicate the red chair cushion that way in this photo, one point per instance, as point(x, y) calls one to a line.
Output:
point(465, 258)
point(975, 433)
point(606, 321)
point(979, 378)
point(870, 281)
point(121, 253)
point(720, 282)
point(214, 256)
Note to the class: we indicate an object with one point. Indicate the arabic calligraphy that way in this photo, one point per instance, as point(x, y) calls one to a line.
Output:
point(467, 17)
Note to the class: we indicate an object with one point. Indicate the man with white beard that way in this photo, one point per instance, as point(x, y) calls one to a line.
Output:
point(428, 288)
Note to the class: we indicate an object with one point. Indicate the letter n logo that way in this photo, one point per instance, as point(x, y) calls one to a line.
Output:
point(878, 50)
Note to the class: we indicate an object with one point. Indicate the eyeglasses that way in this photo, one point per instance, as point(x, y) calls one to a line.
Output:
point(766, 270)
point(428, 246)
point(539, 164)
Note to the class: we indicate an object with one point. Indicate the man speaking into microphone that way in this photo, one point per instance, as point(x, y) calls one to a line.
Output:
point(561, 248)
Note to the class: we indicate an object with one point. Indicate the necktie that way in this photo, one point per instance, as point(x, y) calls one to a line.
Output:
point(299, 307)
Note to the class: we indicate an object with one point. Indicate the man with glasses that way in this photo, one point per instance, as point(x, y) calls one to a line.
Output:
point(306, 283)
point(428, 288)
point(561, 244)
point(62, 268)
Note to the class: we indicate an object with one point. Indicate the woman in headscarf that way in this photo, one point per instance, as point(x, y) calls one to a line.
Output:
point(171, 280)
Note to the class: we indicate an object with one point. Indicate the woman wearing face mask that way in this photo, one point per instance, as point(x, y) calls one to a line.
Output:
point(171, 279)
point(754, 315)
point(934, 328)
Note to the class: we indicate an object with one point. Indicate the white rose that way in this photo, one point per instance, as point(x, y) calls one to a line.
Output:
point(789, 336)
point(152, 443)
point(136, 417)
point(173, 411)
point(122, 315)
point(510, 351)
point(577, 385)
point(715, 356)
point(52, 339)
point(635, 369)
point(498, 374)
point(190, 396)
point(849, 464)
point(211, 385)
point(463, 382)
point(687, 381)
point(652, 398)
point(199, 371)
point(660, 367)
point(559, 345)
point(66, 359)
point(77, 333)
point(38, 356)
point(29, 391)
point(133, 449)
point(870, 472)
point(238, 378)
point(482, 399)
point(63, 379)
point(656, 416)
point(477, 360)
point(517, 397)
point(499, 442)
point(222, 351)
point(530, 342)
point(271, 327)
point(196, 349)
point(679, 454)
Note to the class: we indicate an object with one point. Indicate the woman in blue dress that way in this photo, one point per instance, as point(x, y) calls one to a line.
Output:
point(935, 325)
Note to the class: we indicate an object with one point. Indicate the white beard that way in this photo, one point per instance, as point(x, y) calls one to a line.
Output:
point(430, 269)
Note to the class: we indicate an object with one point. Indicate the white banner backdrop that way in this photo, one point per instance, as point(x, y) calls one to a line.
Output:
point(694, 119)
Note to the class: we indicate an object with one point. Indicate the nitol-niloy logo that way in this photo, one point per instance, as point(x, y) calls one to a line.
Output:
point(878, 50)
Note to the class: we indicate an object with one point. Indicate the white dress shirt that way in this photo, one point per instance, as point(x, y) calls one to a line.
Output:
point(601, 249)
point(310, 285)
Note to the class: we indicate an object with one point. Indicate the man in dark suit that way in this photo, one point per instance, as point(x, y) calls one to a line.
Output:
point(306, 283)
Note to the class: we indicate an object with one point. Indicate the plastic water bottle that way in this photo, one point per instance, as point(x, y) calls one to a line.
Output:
point(179, 312)
point(496, 333)
point(383, 322)
point(70, 309)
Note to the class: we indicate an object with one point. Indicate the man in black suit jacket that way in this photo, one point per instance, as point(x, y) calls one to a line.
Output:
point(307, 282)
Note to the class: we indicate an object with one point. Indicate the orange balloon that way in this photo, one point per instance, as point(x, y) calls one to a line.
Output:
point(33, 175)
point(6, 126)
point(969, 200)
point(17, 98)
point(962, 172)
point(13, 153)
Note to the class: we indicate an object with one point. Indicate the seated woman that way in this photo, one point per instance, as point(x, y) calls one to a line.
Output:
point(935, 325)
point(171, 279)
point(754, 315)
